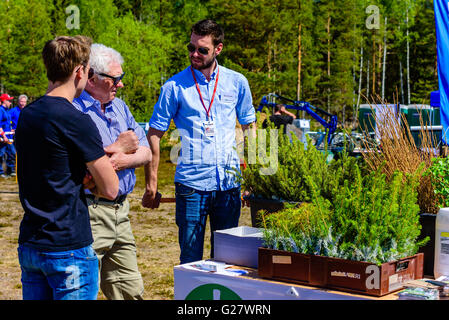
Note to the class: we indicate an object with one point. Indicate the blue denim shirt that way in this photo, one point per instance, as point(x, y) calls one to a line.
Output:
point(116, 119)
point(205, 162)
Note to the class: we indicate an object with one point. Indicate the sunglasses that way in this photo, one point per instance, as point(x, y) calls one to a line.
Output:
point(201, 50)
point(116, 79)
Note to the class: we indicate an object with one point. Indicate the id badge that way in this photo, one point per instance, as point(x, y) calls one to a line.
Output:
point(209, 128)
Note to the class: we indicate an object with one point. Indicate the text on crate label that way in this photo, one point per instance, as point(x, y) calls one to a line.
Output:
point(345, 274)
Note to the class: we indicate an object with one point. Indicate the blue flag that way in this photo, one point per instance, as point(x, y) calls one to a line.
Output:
point(441, 8)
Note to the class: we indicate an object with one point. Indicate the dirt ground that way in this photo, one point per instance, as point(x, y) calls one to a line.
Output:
point(155, 232)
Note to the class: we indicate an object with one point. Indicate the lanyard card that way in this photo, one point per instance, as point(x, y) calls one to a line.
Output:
point(209, 128)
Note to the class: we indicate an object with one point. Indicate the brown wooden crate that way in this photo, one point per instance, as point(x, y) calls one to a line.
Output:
point(346, 275)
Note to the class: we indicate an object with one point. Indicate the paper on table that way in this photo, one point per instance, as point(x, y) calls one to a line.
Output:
point(214, 267)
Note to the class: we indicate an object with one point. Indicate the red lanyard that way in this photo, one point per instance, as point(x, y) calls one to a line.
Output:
point(199, 92)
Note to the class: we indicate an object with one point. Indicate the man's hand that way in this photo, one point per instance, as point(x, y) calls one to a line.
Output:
point(245, 199)
point(88, 181)
point(127, 142)
point(151, 199)
point(3, 137)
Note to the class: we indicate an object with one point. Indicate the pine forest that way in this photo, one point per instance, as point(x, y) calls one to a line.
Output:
point(332, 54)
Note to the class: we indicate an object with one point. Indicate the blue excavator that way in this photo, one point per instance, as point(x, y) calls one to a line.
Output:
point(335, 140)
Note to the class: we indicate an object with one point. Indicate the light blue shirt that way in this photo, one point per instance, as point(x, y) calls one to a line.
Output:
point(205, 162)
point(116, 119)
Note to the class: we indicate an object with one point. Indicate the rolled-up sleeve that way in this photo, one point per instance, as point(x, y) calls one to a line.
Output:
point(246, 113)
point(165, 108)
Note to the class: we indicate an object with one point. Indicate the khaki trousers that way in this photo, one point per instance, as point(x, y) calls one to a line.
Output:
point(115, 247)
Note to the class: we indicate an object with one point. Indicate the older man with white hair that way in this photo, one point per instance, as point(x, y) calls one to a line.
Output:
point(113, 238)
point(14, 113)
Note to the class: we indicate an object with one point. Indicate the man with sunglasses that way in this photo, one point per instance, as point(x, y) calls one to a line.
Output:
point(204, 101)
point(113, 238)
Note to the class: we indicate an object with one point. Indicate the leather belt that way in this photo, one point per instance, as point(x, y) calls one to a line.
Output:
point(118, 200)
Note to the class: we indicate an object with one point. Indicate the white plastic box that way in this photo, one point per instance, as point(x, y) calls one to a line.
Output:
point(238, 246)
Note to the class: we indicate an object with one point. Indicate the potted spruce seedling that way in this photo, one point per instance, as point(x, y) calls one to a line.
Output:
point(439, 175)
point(286, 179)
point(401, 151)
point(360, 236)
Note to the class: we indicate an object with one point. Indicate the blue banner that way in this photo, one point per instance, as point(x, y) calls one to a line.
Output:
point(441, 8)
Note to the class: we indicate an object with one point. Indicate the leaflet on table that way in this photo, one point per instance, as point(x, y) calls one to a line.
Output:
point(215, 267)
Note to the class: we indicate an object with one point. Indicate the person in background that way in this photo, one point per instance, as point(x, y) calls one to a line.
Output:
point(204, 101)
point(56, 146)
point(280, 117)
point(15, 112)
point(7, 149)
point(114, 242)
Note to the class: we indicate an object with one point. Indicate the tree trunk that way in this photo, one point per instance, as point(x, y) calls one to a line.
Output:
point(328, 60)
point(401, 77)
point(353, 84)
point(385, 62)
point(402, 82)
point(408, 65)
point(269, 58)
point(298, 89)
point(374, 68)
point(360, 84)
point(367, 78)
point(379, 67)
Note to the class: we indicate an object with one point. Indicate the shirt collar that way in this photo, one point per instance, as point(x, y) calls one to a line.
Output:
point(90, 101)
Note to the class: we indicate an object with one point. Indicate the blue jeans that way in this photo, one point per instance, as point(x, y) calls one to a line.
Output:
point(65, 275)
point(192, 209)
point(10, 152)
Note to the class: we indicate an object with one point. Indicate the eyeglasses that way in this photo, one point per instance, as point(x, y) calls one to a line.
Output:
point(116, 79)
point(201, 50)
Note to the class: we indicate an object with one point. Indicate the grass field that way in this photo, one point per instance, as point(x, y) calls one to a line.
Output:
point(155, 232)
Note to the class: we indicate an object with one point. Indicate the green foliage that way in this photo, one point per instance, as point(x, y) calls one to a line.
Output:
point(360, 217)
point(144, 49)
point(439, 173)
point(264, 40)
point(23, 35)
point(299, 169)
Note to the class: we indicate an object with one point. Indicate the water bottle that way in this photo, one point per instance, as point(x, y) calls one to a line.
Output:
point(441, 266)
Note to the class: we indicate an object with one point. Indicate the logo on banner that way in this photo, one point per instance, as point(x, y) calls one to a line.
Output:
point(212, 292)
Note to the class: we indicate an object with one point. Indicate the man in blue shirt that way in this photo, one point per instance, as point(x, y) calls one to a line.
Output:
point(111, 228)
point(15, 112)
point(204, 101)
point(6, 146)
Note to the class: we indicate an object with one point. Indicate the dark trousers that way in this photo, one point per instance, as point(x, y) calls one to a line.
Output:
point(8, 151)
point(193, 207)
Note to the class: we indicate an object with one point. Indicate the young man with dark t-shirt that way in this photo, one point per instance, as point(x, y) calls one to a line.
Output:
point(56, 146)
